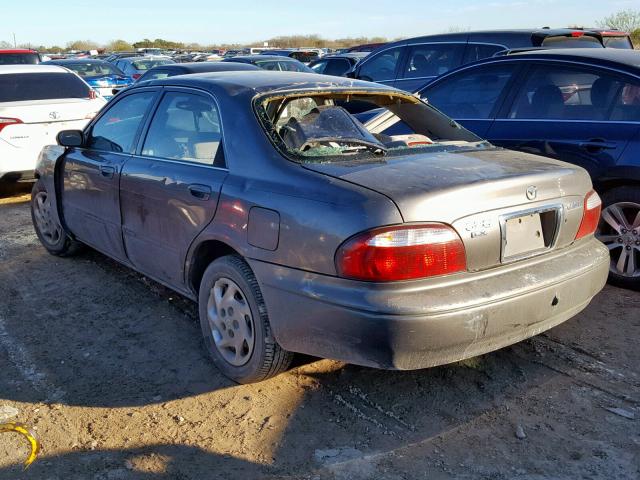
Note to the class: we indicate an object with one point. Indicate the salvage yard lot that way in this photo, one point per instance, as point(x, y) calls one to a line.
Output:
point(109, 370)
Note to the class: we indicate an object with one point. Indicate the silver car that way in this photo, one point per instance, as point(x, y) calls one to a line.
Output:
point(297, 228)
point(135, 67)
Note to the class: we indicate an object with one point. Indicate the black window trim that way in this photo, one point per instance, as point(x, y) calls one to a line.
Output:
point(151, 114)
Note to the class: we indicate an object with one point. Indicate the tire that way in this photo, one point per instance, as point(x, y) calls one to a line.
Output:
point(51, 234)
point(229, 295)
point(619, 229)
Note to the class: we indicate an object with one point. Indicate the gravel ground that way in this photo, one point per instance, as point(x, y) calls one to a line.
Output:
point(109, 370)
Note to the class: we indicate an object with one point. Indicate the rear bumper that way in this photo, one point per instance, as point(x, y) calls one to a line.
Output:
point(411, 325)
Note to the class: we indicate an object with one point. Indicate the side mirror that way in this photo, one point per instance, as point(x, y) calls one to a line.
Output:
point(351, 74)
point(70, 138)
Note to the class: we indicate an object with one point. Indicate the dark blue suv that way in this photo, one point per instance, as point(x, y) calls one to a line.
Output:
point(581, 106)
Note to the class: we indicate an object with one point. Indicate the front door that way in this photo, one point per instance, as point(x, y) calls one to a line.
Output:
point(169, 190)
point(91, 174)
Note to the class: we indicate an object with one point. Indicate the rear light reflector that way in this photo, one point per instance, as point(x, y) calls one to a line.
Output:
point(402, 253)
point(577, 34)
point(5, 122)
point(590, 215)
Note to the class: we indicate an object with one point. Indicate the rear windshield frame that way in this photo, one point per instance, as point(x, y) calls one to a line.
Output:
point(22, 55)
point(271, 132)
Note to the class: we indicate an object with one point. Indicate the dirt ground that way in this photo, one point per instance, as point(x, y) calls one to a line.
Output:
point(109, 371)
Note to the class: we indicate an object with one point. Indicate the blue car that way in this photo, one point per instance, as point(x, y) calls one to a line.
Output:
point(581, 106)
point(102, 76)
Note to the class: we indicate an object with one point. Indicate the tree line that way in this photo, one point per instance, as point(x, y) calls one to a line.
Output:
point(624, 20)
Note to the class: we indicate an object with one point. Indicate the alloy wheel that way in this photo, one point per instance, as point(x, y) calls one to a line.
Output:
point(619, 230)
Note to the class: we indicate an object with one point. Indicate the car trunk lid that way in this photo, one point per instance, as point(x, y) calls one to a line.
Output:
point(476, 191)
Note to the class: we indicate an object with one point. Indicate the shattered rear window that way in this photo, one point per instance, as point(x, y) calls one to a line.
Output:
point(325, 125)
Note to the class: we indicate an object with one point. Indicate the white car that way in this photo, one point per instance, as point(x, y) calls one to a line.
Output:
point(37, 102)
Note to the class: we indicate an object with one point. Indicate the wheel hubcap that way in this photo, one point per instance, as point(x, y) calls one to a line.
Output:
point(231, 322)
point(48, 226)
point(619, 230)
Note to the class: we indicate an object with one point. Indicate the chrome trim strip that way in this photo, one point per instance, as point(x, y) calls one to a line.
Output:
point(558, 208)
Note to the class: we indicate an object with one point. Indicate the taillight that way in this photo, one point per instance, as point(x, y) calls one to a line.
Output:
point(5, 122)
point(401, 253)
point(590, 215)
point(136, 76)
point(576, 34)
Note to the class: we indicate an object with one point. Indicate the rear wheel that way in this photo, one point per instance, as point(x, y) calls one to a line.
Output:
point(235, 324)
point(47, 225)
point(619, 230)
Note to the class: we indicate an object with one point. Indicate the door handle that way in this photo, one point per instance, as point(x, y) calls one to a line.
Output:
point(201, 192)
point(596, 144)
point(107, 171)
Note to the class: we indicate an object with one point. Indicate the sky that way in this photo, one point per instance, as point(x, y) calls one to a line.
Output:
point(49, 22)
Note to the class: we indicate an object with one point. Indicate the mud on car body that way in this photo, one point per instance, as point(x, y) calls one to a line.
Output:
point(298, 229)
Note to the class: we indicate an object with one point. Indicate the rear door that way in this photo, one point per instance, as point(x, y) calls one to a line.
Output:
point(572, 113)
point(427, 61)
point(90, 197)
point(169, 190)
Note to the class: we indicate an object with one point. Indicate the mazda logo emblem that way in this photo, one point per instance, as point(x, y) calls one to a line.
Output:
point(532, 192)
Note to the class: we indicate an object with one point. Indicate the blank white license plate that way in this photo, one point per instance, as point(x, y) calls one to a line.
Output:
point(522, 236)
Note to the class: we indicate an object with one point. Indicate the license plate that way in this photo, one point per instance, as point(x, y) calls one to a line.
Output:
point(522, 236)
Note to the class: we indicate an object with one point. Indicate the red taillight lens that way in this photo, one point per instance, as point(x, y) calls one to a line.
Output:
point(136, 76)
point(591, 215)
point(577, 34)
point(402, 253)
point(5, 122)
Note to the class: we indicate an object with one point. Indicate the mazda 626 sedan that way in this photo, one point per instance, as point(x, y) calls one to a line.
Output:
point(297, 228)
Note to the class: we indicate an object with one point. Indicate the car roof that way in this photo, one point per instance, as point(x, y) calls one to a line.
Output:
point(5, 69)
point(65, 61)
point(202, 67)
point(620, 57)
point(16, 50)
point(261, 57)
point(262, 81)
point(490, 36)
point(356, 55)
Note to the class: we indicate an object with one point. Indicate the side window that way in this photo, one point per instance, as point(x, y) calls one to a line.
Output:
point(471, 94)
point(433, 59)
point(478, 51)
point(185, 127)
point(627, 102)
point(567, 93)
point(320, 67)
point(115, 131)
point(337, 67)
point(382, 66)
